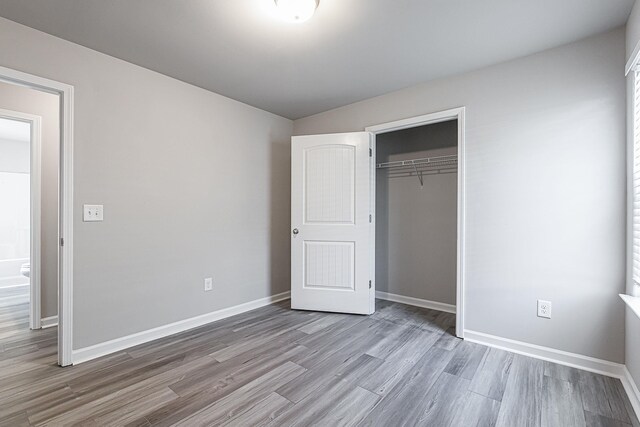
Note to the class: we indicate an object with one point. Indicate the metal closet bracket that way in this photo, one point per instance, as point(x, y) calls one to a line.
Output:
point(419, 175)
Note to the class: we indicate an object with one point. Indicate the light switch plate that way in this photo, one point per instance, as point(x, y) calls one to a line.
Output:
point(93, 213)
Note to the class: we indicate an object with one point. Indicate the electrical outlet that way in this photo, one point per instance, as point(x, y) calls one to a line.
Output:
point(208, 284)
point(544, 309)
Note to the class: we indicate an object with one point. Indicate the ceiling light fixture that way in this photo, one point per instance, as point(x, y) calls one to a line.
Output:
point(297, 10)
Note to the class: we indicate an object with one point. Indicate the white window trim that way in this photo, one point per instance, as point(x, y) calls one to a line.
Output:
point(634, 186)
point(634, 189)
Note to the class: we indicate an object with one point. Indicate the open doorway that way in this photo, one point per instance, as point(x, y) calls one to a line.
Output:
point(29, 194)
point(46, 107)
point(419, 206)
point(20, 220)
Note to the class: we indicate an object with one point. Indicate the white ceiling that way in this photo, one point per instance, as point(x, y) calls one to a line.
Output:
point(349, 51)
point(14, 130)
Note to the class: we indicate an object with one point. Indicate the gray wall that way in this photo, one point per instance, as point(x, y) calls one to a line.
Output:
point(632, 323)
point(633, 30)
point(545, 191)
point(193, 185)
point(632, 357)
point(45, 105)
point(416, 227)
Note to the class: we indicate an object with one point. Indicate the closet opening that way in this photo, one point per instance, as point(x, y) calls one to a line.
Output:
point(419, 215)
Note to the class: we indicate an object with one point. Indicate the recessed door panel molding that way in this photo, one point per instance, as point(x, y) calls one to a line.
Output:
point(329, 184)
point(329, 265)
point(331, 228)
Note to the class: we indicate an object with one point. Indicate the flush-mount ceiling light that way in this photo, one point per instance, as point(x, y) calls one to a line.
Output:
point(297, 10)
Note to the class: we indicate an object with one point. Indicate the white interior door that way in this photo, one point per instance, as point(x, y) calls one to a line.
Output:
point(332, 240)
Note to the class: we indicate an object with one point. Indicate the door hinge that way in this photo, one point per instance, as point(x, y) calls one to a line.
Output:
point(61, 241)
point(369, 284)
point(370, 152)
point(370, 218)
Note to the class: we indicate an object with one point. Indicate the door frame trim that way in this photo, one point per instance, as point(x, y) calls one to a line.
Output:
point(35, 211)
point(428, 119)
point(65, 225)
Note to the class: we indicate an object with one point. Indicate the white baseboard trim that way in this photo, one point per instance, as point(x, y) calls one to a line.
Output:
point(440, 306)
point(49, 322)
point(574, 360)
point(631, 388)
point(102, 349)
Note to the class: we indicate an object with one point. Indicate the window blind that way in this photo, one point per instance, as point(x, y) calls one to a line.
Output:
point(636, 178)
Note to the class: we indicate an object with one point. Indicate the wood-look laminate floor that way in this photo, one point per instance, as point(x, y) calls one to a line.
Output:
point(277, 367)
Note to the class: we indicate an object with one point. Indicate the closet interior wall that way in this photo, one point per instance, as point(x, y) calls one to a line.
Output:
point(416, 226)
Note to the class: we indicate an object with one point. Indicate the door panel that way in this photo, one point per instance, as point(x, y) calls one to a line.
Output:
point(329, 184)
point(331, 240)
point(329, 265)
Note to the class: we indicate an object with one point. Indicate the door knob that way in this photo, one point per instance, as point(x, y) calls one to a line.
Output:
point(295, 231)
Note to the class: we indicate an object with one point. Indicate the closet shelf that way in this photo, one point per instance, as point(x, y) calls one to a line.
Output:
point(421, 167)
